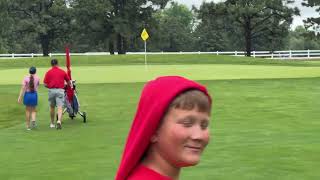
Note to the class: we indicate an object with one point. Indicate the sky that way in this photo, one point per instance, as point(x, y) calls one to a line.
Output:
point(298, 20)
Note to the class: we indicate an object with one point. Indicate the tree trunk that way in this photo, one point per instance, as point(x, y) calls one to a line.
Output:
point(111, 47)
point(121, 44)
point(125, 45)
point(248, 36)
point(45, 44)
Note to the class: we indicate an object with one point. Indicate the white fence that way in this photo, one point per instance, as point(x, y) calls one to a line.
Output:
point(290, 54)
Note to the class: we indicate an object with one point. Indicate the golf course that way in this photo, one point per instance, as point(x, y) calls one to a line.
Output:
point(265, 122)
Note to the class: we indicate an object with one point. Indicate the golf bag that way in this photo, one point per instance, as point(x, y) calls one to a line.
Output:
point(72, 105)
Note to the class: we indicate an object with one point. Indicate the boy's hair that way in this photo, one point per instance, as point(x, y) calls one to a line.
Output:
point(191, 99)
point(54, 62)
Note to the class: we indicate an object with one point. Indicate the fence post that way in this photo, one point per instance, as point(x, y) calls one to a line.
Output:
point(290, 54)
point(12, 55)
point(272, 55)
point(254, 53)
point(32, 55)
point(308, 53)
point(50, 55)
point(235, 53)
point(217, 52)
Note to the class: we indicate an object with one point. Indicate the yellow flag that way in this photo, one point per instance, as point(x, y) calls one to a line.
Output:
point(144, 34)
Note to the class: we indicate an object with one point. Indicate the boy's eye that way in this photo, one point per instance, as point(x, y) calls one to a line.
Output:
point(204, 124)
point(187, 124)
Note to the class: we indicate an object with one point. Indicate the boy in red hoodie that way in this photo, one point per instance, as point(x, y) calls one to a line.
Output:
point(170, 130)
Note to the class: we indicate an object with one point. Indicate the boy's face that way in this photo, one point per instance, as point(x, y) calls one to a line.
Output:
point(182, 136)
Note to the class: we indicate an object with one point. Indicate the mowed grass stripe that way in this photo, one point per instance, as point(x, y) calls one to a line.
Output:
point(140, 73)
point(261, 129)
point(153, 59)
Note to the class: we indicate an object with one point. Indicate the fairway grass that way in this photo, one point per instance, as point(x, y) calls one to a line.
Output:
point(154, 60)
point(265, 123)
point(140, 73)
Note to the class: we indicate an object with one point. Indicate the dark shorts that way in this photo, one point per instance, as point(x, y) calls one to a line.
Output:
point(30, 99)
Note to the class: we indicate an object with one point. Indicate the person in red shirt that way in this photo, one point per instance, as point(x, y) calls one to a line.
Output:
point(170, 130)
point(54, 80)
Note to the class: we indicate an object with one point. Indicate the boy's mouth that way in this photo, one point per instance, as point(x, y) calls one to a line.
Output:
point(194, 148)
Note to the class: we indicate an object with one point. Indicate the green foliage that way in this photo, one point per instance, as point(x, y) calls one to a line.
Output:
point(5, 26)
point(92, 26)
point(174, 29)
point(260, 18)
point(302, 39)
point(131, 17)
point(115, 26)
point(46, 22)
point(113, 22)
point(214, 31)
point(259, 25)
point(312, 22)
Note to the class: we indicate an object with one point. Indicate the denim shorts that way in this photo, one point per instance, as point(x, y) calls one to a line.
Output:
point(30, 98)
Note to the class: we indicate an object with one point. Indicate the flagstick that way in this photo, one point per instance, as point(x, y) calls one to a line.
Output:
point(145, 55)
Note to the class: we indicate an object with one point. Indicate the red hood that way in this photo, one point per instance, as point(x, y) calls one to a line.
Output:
point(155, 98)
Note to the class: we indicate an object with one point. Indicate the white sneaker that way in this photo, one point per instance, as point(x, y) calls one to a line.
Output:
point(59, 125)
point(52, 125)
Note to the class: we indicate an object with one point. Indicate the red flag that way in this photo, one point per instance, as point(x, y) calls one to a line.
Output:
point(69, 90)
point(68, 63)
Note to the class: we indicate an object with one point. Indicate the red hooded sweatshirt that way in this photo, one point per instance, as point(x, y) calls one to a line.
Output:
point(155, 98)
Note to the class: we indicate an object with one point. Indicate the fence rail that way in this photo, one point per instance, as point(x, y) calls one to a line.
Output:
point(290, 54)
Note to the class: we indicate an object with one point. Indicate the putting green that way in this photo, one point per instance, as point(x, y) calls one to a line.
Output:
point(139, 73)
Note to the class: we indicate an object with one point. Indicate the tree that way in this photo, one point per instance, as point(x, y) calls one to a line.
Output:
point(130, 17)
point(253, 15)
point(5, 26)
point(93, 26)
point(313, 22)
point(274, 38)
point(215, 30)
point(302, 39)
point(49, 20)
point(115, 21)
point(174, 29)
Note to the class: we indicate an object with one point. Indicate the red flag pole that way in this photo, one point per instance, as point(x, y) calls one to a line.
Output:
point(69, 90)
point(68, 62)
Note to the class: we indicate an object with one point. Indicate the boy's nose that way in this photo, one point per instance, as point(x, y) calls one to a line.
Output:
point(199, 134)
